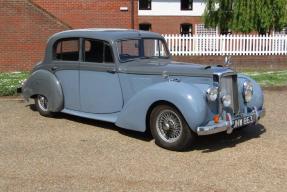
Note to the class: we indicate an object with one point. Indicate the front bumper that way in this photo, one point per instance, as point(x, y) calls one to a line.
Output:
point(226, 125)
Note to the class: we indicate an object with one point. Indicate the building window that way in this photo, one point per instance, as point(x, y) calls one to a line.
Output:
point(145, 26)
point(144, 4)
point(186, 4)
point(186, 28)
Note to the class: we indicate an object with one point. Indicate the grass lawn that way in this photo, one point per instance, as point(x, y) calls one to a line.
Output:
point(269, 78)
point(9, 82)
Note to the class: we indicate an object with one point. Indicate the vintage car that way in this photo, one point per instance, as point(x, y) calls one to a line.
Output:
point(127, 77)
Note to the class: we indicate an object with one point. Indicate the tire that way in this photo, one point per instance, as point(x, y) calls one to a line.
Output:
point(42, 103)
point(169, 128)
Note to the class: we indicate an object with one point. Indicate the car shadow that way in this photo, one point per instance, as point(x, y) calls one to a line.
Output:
point(144, 136)
point(206, 144)
point(212, 143)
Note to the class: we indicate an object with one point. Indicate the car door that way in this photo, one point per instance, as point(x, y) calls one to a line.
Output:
point(66, 68)
point(100, 90)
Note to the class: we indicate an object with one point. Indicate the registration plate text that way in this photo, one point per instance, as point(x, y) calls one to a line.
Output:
point(243, 121)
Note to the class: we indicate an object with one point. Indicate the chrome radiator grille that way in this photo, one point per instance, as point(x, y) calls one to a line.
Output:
point(228, 86)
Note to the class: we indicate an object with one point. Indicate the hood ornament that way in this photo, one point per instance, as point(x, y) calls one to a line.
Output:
point(227, 60)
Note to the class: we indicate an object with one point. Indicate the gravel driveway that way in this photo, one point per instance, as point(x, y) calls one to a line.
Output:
point(75, 154)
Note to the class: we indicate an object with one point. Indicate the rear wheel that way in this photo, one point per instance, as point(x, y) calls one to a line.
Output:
point(170, 129)
point(42, 104)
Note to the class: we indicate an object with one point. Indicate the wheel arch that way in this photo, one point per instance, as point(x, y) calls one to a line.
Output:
point(186, 98)
point(43, 82)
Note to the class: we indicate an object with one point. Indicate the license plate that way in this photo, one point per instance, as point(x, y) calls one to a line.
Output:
point(243, 121)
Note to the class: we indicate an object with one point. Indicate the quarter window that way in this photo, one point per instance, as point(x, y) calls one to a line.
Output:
point(67, 50)
point(97, 51)
point(144, 4)
point(186, 4)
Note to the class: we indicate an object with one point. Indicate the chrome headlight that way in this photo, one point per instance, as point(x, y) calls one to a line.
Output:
point(247, 91)
point(212, 93)
point(226, 100)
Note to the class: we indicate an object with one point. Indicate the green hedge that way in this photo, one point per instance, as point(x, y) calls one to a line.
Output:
point(9, 82)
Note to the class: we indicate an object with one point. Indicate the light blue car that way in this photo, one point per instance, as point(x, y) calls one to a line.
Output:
point(127, 77)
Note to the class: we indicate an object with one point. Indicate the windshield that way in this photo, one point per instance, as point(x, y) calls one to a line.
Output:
point(132, 49)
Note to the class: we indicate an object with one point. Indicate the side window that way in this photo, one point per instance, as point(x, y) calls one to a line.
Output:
point(108, 53)
point(97, 51)
point(66, 50)
point(128, 49)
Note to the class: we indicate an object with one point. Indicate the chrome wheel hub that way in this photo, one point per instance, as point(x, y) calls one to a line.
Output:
point(43, 103)
point(169, 126)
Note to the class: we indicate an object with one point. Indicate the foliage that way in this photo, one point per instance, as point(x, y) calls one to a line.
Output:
point(246, 15)
point(9, 82)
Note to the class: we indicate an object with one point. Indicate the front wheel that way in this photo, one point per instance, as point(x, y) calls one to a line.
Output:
point(170, 129)
point(42, 103)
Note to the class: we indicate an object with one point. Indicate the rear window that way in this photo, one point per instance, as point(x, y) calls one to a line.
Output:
point(67, 50)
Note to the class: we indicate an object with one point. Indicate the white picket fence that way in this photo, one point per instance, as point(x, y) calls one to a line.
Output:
point(185, 45)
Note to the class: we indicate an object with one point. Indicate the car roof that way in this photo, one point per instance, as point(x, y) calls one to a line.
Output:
point(108, 34)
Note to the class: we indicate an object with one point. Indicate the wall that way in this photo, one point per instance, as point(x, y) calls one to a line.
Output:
point(168, 24)
point(91, 14)
point(173, 8)
point(26, 25)
point(24, 32)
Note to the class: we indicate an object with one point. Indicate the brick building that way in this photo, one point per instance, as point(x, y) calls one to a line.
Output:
point(25, 25)
point(172, 16)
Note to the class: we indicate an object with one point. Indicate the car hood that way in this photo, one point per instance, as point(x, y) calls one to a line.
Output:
point(171, 68)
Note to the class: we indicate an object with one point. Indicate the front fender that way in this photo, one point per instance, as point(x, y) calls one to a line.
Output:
point(189, 100)
point(42, 82)
point(258, 96)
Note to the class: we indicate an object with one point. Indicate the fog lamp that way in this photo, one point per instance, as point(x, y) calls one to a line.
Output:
point(226, 100)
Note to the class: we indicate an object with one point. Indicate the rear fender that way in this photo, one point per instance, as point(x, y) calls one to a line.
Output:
point(43, 82)
point(188, 99)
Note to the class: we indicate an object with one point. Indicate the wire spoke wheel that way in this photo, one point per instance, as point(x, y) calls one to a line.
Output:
point(169, 126)
point(42, 103)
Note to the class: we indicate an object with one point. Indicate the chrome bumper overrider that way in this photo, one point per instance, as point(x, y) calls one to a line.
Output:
point(225, 125)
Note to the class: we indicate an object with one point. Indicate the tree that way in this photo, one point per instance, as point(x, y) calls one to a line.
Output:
point(246, 15)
